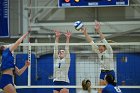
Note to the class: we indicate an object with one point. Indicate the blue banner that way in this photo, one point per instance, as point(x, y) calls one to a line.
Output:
point(92, 3)
point(4, 18)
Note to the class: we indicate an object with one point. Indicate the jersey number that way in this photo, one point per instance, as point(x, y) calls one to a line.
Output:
point(117, 89)
point(59, 65)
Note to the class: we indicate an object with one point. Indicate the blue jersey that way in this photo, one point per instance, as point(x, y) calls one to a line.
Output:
point(111, 89)
point(7, 60)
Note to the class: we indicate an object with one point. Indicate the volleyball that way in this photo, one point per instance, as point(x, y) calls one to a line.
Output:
point(78, 25)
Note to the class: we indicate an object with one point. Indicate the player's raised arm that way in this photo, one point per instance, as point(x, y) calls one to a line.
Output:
point(67, 54)
point(102, 37)
point(90, 40)
point(57, 36)
point(15, 45)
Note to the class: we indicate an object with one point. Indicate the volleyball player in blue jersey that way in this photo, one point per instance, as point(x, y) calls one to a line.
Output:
point(8, 67)
point(110, 85)
point(61, 64)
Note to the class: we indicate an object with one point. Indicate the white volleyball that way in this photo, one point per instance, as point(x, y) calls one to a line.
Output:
point(78, 25)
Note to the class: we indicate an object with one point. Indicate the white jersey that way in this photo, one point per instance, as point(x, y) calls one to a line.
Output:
point(106, 57)
point(61, 66)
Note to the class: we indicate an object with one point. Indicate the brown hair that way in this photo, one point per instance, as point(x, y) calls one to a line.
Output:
point(85, 85)
point(109, 41)
point(110, 79)
point(103, 46)
point(1, 49)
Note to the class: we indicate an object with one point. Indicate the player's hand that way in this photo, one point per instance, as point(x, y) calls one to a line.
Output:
point(27, 63)
point(84, 30)
point(24, 36)
point(97, 26)
point(57, 33)
point(68, 34)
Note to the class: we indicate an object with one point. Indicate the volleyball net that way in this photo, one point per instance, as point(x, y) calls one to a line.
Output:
point(84, 65)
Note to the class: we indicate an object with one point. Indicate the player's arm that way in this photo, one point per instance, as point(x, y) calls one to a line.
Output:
point(102, 37)
point(67, 56)
point(8, 46)
point(57, 36)
point(15, 45)
point(20, 71)
point(89, 39)
point(109, 48)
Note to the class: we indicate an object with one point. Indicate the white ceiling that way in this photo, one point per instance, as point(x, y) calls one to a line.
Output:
point(115, 21)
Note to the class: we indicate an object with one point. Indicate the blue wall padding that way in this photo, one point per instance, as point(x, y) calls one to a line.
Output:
point(41, 72)
point(20, 62)
point(129, 71)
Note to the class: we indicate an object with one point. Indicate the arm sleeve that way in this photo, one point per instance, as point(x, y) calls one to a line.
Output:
point(67, 53)
point(55, 55)
point(109, 48)
point(94, 47)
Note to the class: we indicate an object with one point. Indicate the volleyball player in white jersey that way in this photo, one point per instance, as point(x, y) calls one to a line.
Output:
point(61, 64)
point(105, 54)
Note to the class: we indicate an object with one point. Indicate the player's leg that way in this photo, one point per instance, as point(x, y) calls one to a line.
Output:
point(9, 89)
point(102, 82)
point(64, 90)
point(57, 83)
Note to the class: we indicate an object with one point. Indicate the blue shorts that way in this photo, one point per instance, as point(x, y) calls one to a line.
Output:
point(5, 80)
point(60, 83)
point(103, 73)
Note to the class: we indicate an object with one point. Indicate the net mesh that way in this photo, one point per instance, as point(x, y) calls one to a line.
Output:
point(86, 65)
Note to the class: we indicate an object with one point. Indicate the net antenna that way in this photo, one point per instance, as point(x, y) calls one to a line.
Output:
point(29, 45)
